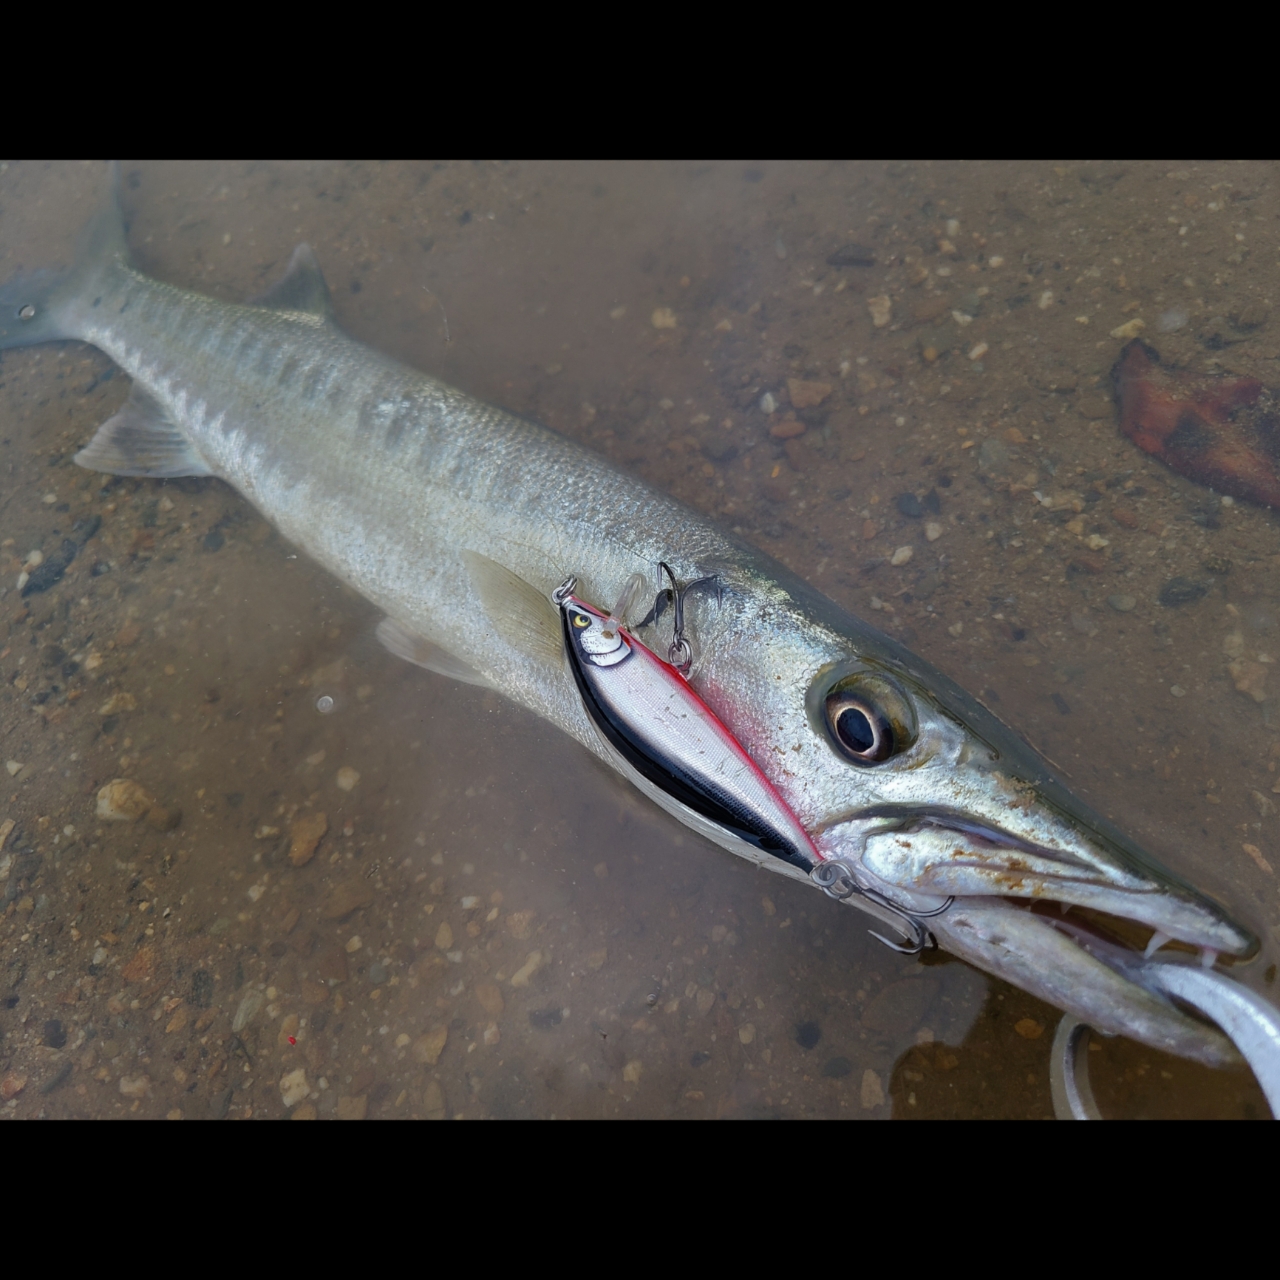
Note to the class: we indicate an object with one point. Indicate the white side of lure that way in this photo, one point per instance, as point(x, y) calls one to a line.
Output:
point(673, 744)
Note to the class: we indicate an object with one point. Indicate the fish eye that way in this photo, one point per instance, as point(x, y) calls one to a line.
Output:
point(868, 719)
point(859, 728)
point(580, 620)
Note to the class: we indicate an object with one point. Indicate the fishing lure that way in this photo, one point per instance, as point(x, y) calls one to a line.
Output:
point(651, 717)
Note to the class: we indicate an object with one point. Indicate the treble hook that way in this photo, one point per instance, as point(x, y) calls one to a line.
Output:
point(836, 879)
point(679, 652)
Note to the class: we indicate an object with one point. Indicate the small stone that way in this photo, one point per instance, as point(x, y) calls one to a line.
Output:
point(881, 309)
point(354, 943)
point(869, 530)
point(993, 457)
point(117, 703)
point(378, 973)
point(1122, 603)
point(933, 531)
point(852, 255)
point(347, 898)
point(134, 1086)
point(978, 350)
point(1249, 678)
point(747, 1033)
point(909, 505)
point(444, 937)
point(1250, 316)
point(519, 924)
point(294, 1087)
point(248, 1009)
point(305, 1112)
point(124, 801)
point(808, 1034)
point(705, 999)
point(1177, 690)
point(433, 1101)
point(1180, 591)
point(12, 1085)
point(596, 959)
point(288, 1027)
point(178, 1021)
point(305, 834)
point(632, 1071)
point(872, 1092)
point(346, 778)
point(768, 403)
point(1130, 329)
point(805, 395)
point(1256, 854)
point(787, 429)
point(428, 1048)
point(663, 318)
point(141, 967)
point(1095, 542)
point(352, 1108)
point(523, 975)
point(1045, 300)
point(901, 556)
point(490, 998)
point(1029, 1028)
point(14, 767)
point(492, 1035)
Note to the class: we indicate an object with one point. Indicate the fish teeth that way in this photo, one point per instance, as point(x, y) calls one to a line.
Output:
point(1158, 940)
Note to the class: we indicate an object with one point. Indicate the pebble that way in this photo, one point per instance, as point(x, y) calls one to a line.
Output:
point(1249, 678)
point(352, 1108)
point(933, 531)
point(444, 937)
point(1045, 300)
point(901, 556)
point(523, 975)
point(12, 1085)
point(909, 505)
point(347, 898)
point(428, 1048)
point(978, 351)
point(632, 1071)
point(852, 255)
point(805, 395)
point(305, 1112)
point(767, 403)
point(663, 318)
point(134, 1086)
point(881, 309)
point(1130, 329)
point(747, 1033)
point(1172, 320)
point(787, 429)
point(490, 998)
point(872, 1092)
point(378, 974)
point(14, 767)
point(294, 1087)
point(1177, 690)
point(248, 1010)
point(1179, 591)
point(123, 800)
point(492, 1035)
point(305, 834)
point(346, 778)
point(1122, 603)
point(117, 703)
point(705, 999)
point(354, 943)
point(1029, 1028)
point(808, 1034)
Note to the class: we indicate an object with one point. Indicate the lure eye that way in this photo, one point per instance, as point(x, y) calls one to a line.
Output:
point(861, 730)
point(580, 621)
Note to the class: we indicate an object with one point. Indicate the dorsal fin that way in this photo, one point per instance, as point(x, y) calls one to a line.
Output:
point(301, 288)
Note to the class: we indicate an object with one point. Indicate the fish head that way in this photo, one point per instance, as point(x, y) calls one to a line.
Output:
point(939, 810)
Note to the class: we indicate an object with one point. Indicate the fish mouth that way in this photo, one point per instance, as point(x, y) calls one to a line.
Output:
point(1000, 900)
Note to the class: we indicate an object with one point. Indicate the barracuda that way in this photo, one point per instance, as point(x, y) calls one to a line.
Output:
point(455, 518)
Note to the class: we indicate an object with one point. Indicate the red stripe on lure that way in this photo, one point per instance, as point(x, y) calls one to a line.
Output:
point(646, 710)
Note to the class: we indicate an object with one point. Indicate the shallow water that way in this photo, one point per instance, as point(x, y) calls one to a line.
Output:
point(151, 973)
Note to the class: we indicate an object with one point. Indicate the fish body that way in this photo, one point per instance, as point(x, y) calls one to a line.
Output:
point(457, 518)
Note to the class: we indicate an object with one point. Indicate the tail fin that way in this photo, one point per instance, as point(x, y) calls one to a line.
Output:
point(39, 306)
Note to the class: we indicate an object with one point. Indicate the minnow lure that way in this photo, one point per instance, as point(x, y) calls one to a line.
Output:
point(652, 718)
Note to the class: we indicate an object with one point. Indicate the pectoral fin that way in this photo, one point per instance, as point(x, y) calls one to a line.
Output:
point(141, 440)
point(412, 647)
point(521, 614)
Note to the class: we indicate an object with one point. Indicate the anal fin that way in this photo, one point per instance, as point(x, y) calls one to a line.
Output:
point(406, 643)
point(140, 440)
